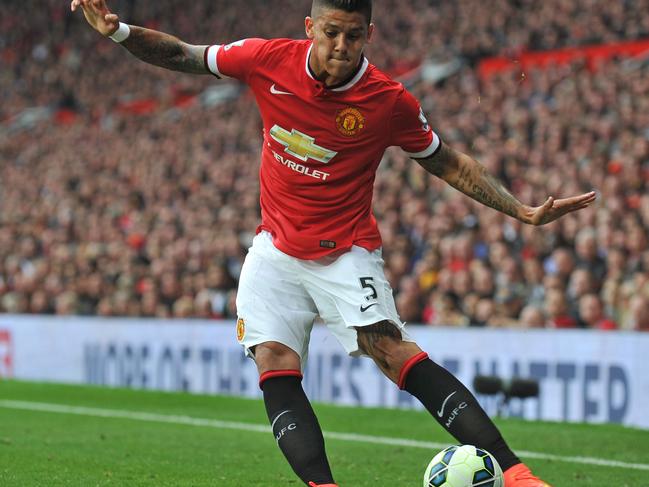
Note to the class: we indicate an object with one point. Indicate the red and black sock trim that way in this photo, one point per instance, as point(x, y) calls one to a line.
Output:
point(278, 373)
point(410, 363)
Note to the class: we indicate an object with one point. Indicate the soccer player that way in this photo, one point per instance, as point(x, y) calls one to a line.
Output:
point(328, 116)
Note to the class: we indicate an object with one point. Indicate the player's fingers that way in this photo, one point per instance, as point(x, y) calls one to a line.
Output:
point(110, 18)
point(84, 5)
point(584, 205)
point(548, 203)
point(577, 204)
point(587, 197)
point(574, 208)
point(576, 200)
point(584, 197)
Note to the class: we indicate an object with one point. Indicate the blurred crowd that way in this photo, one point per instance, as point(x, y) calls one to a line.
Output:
point(111, 214)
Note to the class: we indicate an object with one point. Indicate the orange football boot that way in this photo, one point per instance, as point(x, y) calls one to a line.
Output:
point(520, 476)
point(313, 484)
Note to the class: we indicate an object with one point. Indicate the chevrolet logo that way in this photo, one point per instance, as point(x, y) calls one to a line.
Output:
point(301, 145)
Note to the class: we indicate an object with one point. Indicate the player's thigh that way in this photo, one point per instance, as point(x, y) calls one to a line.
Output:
point(353, 292)
point(272, 305)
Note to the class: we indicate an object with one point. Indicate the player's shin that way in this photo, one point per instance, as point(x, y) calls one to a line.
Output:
point(295, 426)
point(454, 407)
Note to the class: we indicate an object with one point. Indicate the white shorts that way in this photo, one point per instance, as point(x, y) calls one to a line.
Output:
point(280, 296)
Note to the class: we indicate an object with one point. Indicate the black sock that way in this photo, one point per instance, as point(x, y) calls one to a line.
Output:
point(296, 429)
point(461, 414)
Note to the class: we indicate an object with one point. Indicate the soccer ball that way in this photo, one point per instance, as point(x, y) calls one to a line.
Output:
point(463, 466)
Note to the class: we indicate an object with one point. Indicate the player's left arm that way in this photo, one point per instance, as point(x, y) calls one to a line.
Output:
point(151, 46)
point(472, 178)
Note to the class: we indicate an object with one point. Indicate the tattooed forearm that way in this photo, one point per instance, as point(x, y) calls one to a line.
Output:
point(165, 50)
point(474, 181)
point(470, 177)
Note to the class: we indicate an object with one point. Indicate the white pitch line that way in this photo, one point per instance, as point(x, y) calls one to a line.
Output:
point(257, 428)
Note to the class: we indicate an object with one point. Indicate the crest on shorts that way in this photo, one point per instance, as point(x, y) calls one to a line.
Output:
point(350, 121)
point(241, 329)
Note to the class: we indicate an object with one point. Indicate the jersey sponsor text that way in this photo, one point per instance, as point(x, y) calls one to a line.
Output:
point(307, 171)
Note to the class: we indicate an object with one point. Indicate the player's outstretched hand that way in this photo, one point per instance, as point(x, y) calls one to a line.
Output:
point(553, 209)
point(98, 16)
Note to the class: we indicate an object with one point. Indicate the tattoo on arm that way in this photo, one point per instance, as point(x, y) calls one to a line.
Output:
point(470, 177)
point(444, 161)
point(165, 50)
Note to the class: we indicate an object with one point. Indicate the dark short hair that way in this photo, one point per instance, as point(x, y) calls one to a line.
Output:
point(362, 6)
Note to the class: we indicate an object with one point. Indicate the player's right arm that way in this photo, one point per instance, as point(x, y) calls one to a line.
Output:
point(471, 178)
point(411, 130)
point(150, 46)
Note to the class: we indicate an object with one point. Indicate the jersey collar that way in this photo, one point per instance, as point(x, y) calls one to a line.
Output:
point(345, 85)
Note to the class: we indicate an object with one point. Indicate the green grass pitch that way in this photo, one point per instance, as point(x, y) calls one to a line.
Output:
point(61, 435)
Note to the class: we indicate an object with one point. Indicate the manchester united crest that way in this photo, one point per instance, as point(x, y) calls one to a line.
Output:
point(241, 329)
point(350, 121)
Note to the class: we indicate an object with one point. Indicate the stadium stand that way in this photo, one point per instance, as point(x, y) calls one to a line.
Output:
point(126, 190)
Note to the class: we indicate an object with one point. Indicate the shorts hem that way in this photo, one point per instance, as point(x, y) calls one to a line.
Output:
point(248, 345)
point(398, 323)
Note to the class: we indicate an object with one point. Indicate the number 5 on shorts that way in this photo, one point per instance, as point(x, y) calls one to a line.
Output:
point(368, 283)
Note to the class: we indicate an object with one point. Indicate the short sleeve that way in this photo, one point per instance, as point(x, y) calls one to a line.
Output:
point(410, 129)
point(235, 60)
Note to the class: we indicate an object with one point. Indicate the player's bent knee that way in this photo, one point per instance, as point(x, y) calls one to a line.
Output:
point(373, 339)
point(272, 356)
point(383, 342)
point(399, 357)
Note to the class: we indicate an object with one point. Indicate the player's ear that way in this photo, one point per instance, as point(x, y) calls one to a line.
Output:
point(370, 31)
point(309, 27)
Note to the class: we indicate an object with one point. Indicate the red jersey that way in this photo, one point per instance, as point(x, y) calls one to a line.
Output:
point(322, 145)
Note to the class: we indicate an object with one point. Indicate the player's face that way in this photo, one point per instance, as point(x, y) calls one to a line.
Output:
point(338, 41)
